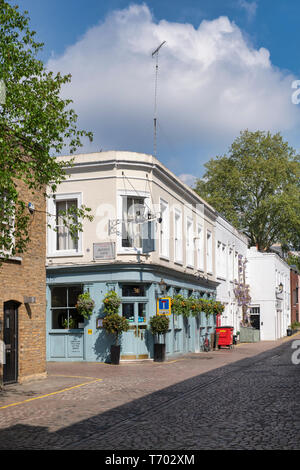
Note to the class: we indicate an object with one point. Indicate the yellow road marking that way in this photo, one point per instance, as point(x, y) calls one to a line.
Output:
point(50, 394)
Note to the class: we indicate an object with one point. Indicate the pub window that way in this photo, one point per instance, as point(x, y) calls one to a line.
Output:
point(133, 290)
point(64, 312)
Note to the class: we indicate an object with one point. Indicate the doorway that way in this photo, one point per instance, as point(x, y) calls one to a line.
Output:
point(10, 337)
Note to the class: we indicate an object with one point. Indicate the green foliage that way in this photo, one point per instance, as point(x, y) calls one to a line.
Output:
point(35, 123)
point(111, 302)
point(159, 325)
point(256, 187)
point(69, 324)
point(85, 305)
point(115, 325)
point(193, 306)
point(293, 260)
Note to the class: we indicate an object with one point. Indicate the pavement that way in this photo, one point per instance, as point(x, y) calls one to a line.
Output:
point(79, 399)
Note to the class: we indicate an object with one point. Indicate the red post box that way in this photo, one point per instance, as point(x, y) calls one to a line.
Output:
point(225, 334)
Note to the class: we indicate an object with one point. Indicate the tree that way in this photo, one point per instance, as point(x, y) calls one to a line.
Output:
point(35, 124)
point(256, 188)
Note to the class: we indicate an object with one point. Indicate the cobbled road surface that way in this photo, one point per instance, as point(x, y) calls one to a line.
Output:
point(252, 403)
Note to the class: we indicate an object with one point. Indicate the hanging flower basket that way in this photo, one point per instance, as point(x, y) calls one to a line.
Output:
point(85, 305)
point(180, 305)
point(111, 303)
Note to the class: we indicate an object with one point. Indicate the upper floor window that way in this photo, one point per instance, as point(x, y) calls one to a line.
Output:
point(164, 229)
point(189, 242)
point(133, 209)
point(209, 260)
point(178, 236)
point(200, 247)
point(62, 240)
point(7, 226)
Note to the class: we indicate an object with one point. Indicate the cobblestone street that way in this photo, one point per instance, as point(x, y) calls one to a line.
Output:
point(245, 398)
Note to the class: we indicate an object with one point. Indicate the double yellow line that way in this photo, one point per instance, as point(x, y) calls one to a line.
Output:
point(54, 393)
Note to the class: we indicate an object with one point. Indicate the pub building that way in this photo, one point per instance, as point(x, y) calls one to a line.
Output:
point(151, 237)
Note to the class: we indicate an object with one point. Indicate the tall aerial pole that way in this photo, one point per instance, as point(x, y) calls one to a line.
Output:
point(155, 53)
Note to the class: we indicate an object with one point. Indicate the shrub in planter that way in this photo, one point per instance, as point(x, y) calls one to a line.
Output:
point(159, 326)
point(85, 305)
point(114, 325)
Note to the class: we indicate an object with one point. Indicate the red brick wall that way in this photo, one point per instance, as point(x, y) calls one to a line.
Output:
point(28, 278)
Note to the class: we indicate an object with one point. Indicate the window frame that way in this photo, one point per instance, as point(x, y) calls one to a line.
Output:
point(120, 195)
point(52, 234)
point(164, 230)
point(178, 241)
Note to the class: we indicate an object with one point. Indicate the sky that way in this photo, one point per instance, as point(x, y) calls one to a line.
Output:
point(225, 66)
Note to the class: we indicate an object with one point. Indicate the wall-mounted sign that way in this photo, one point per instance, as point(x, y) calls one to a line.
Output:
point(106, 250)
point(90, 332)
point(163, 306)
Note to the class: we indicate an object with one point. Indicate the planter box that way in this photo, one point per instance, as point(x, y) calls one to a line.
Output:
point(115, 354)
point(249, 335)
point(159, 352)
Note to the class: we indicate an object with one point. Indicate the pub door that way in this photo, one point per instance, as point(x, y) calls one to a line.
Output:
point(10, 330)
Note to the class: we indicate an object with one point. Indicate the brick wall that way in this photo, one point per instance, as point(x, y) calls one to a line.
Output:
point(27, 277)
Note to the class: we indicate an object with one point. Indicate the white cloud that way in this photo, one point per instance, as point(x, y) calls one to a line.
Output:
point(188, 179)
point(211, 85)
point(249, 7)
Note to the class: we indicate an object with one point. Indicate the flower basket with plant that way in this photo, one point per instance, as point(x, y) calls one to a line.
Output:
point(180, 305)
point(85, 305)
point(111, 303)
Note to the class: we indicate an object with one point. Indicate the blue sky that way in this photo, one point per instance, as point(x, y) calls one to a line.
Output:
point(226, 65)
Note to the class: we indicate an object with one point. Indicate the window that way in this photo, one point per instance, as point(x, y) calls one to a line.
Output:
point(133, 209)
point(64, 313)
point(61, 241)
point(189, 243)
point(7, 224)
point(200, 248)
point(209, 267)
point(134, 310)
point(164, 229)
point(177, 236)
point(64, 240)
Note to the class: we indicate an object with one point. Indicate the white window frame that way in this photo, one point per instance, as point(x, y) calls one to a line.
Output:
point(164, 230)
point(209, 252)
point(52, 234)
point(11, 230)
point(200, 247)
point(178, 242)
point(120, 195)
point(190, 262)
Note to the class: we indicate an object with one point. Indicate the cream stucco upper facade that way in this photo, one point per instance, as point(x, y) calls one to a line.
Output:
point(118, 186)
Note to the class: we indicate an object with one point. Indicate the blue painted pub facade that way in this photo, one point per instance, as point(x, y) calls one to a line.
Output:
point(139, 287)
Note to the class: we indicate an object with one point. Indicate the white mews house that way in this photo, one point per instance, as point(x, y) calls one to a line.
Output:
point(269, 277)
point(231, 252)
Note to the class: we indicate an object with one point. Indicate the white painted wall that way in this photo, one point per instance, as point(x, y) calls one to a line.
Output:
point(265, 271)
point(229, 244)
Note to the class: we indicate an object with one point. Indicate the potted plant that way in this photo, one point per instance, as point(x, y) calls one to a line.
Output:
point(180, 305)
point(85, 305)
point(114, 324)
point(69, 324)
point(159, 326)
